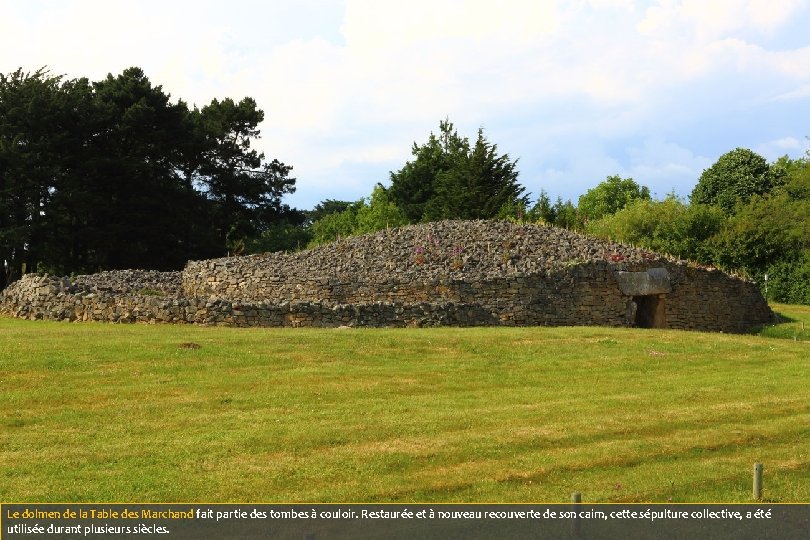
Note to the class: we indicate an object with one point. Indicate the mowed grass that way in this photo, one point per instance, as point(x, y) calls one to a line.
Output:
point(126, 413)
point(794, 323)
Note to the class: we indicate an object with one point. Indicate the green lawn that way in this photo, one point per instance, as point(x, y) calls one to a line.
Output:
point(106, 413)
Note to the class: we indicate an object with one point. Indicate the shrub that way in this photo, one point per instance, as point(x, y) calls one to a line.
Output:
point(789, 282)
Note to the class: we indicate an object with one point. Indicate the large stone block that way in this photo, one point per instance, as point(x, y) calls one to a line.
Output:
point(653, 281)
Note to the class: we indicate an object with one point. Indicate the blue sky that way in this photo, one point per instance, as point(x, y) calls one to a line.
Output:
point(577, 90)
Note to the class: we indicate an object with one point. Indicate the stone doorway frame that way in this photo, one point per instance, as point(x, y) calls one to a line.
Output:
point(650, 311)
point(647, 291)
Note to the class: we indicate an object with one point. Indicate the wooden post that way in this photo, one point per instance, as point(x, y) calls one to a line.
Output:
point(757, 481)
point(576, 525)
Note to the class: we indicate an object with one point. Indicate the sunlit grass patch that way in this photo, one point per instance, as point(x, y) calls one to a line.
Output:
point(94, 412)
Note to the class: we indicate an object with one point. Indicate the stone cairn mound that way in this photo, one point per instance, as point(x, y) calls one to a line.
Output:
point(444, 250)
point(461, 273)
point(129, 282)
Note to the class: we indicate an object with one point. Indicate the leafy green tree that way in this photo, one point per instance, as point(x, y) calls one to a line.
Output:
point(668, 226)
point(770, 229)
point(789, 281)
point(369, 215)
point(786, 167)
point(789, 278)
point(288, 233)
point(610, 196)
point(378, 213)
point(336, 225)
point(561, 214)
point(566, 215)
point(514, 211)
point(737, 176)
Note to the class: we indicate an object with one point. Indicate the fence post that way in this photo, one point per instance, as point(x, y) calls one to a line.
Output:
point(757, 481)
point(576, 525)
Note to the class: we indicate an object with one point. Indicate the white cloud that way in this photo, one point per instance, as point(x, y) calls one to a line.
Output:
point(581, 164)
point(703, 21)
point(347, 95)
point(304, 84)
point(797, 93)
point(371, 25)
point(665, 166)
point(776, 148)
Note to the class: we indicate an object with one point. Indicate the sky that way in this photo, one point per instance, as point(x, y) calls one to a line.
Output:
point(576, 91)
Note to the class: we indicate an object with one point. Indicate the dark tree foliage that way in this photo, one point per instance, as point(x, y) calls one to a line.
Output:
point(477, 185)
point(20, 194)
point(414, 186)
point(39, 155)
point(451, 179)
point(246, 193)
point(114, 174)
point(288, 233)
point(542, 211)
point(134, 169)
point(326, 207)
point(566, 215)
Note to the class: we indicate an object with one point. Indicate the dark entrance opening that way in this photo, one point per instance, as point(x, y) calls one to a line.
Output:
point(649, 311)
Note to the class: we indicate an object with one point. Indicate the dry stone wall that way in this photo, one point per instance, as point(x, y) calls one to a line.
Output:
point(459, 273)
point(710, 300)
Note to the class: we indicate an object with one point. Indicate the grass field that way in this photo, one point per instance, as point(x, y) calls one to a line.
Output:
point(105, 413)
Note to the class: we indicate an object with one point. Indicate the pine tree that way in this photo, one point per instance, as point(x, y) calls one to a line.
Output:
point(450, 179)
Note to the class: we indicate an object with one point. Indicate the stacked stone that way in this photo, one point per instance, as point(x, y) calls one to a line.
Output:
point(432, 253)
point(131, 281)
point(117, 296)
point(459, 273)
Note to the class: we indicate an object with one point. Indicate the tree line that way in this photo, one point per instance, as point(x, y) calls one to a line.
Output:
point(114, 174)
point(744, 215)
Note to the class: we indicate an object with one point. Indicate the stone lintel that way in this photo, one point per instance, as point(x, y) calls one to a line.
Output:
point(653, 281)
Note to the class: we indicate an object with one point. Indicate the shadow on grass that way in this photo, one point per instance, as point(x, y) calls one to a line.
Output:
point(790, 324)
